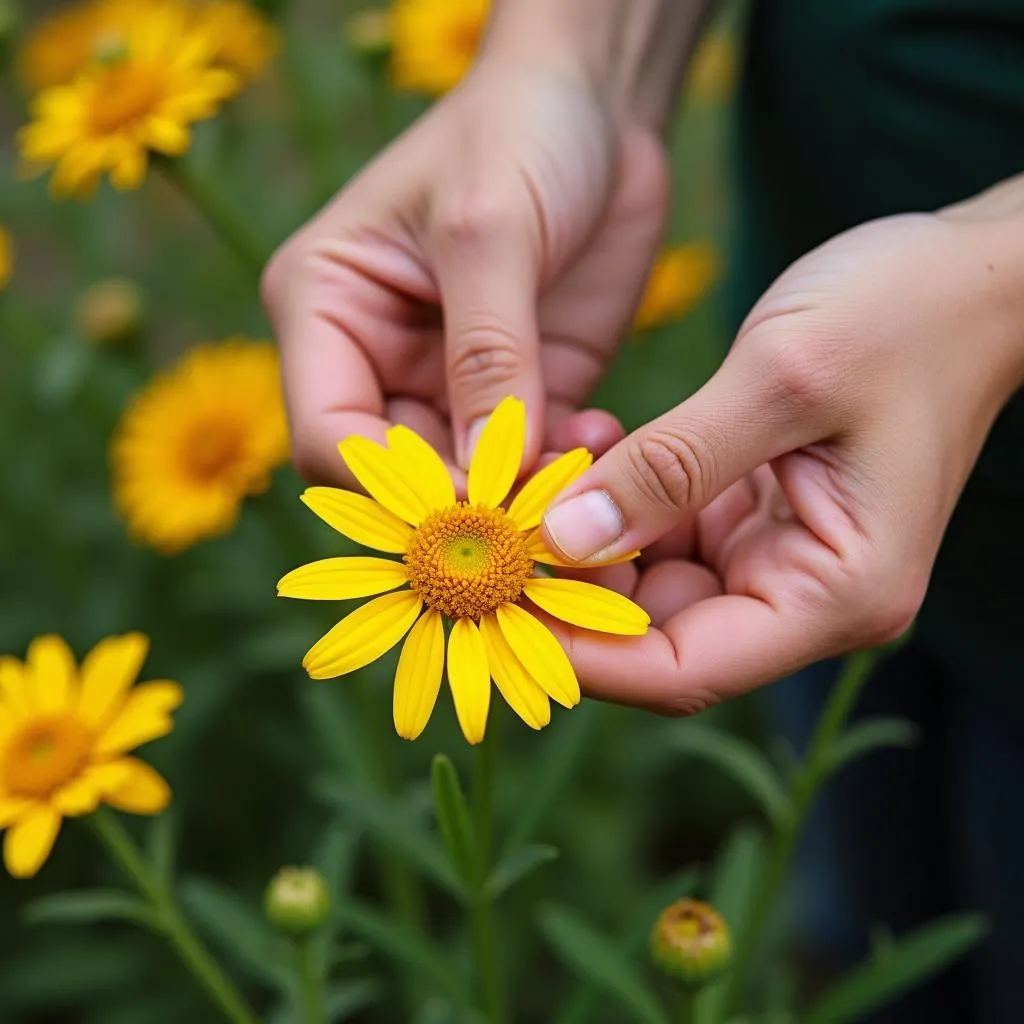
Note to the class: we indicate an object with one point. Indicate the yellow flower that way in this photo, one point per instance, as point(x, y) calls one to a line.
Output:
point(434, 42)
point(6, 257)
point(142, 98)
point(467, 561)
point(711, 77)
point(198, 439)
point(242, 39)
point(64, 738)
point(679, 277)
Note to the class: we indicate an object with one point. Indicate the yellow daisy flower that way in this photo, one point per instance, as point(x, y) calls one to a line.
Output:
point(142, 98)
point(470, 562)
point(242, 39)
point(681, 275)
point(196, 441)
point(6, 257)
point(433, 42)
point(64, 738)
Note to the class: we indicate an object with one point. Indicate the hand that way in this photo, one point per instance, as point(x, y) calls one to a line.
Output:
point(796, 502)
point(520, 206)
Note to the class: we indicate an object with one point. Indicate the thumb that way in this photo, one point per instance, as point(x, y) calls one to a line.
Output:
point(487, 265)
point(745, 416)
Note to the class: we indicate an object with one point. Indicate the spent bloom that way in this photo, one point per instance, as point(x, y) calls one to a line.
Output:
point(433, 42)
point(197, 440)
point(691, 940)
point(65, 736)
point(470, 562)
point(141, 98)
point(681, 275)
point(6, 257)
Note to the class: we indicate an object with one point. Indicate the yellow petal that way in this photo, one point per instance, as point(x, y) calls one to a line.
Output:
point(498, 454)
point(12, 808)
point(108, 671)
point(540, 552)
point(363, 636)
point(469, 678)
point(541, 654)
point(338, 579)
point(418, 678)
point(52, 668)
point(143, 790)
point(28, 843)
point(522, 692)
point(14, 686)
point(528, 508)
point(383, 475)
point(589, 606)
point(431, 474)
point(145, 716)
point(359, 518)
point(82, 796)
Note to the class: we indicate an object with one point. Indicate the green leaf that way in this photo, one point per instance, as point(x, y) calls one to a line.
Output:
point(89, 905)
point(515, 866)
point(347, 998)
point(870, 734)
point(390, 822)
point(742, 761)
point(161, 844)
point(239, 929)
point(598, 960)
point(454, 821)
point(334, 856)
point(408, 949)
point(333, 721)
point(909, 961)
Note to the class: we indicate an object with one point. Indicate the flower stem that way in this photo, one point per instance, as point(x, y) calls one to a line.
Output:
point(310, 983)
point(687, 1008)
point(170, 919)
point(217, 211)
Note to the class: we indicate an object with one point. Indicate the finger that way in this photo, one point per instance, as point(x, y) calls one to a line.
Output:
point(674, 466)
point(593, 429)
point(486, 263)
point(667, 588)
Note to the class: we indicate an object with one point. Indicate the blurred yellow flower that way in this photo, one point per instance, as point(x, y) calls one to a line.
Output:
point(433, 42)
point(241, 38)
point(368, 31)
point(467, 561)
point(711, 77)
point(110, 312)
point(680, 276)
point(6, 256)
point(142, 98)
point(64, 737)
point(196, 441)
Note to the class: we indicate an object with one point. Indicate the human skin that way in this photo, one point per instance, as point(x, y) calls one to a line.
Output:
point(791, 509)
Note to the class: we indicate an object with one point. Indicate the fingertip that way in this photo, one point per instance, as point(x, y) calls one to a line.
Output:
point(593, 429)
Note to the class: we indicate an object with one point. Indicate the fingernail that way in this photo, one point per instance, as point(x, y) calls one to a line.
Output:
point(472, 437)
point(582, 526)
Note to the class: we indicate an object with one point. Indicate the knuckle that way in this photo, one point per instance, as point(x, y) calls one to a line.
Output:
point(671, 468)
point(882, 607)
point(489, 355)
point(802, 376)
point(470, 219)
point(688, 704)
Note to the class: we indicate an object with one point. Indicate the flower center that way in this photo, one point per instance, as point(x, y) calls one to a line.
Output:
point(466, 36)
point(466, 560)
point(123, 96)
point(214, 452)
point(47, 753)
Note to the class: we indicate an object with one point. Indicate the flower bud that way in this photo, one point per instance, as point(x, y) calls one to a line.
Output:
point(691, 941)
point(369, 32)
point(297, 901)
point(110, 312)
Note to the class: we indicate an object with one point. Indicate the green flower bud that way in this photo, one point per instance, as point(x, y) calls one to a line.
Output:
point(691, 941)
point(297, 901)
point(110, 312)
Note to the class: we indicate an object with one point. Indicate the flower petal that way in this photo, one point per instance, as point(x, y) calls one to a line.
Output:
point(363, 636)
point(541, 654)
point(359, 518)
point(142, 791)
point(84, 793)
point(588, 605)
point(12, 808)
point(383, 475)
point(418, 679)
point(498, 454)
point(469, 678)
point(29, 841)
point(338, 579)
point(540, 552)
point(528, 508)
point(14, 686)
point(432, 477)
point(522, 692)
point(108, 671)
point(144, 717)
point(53, 671)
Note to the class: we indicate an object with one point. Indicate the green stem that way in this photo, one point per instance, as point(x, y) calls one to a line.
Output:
point(193, 953)
point(808, 784)
point(310, 983)
point(688, 1008)
point(218, 212)
point(482, 910)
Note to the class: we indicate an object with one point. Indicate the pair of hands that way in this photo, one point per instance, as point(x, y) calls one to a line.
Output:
point(789, 510)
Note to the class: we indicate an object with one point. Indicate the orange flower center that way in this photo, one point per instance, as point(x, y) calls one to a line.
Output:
point(214, 453)
point(467, 560)
point(124, 96)
point(47, 753)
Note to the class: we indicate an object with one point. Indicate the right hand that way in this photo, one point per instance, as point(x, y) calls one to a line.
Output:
point(498, 247)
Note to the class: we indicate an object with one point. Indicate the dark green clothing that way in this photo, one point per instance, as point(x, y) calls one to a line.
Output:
point(855, 109)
